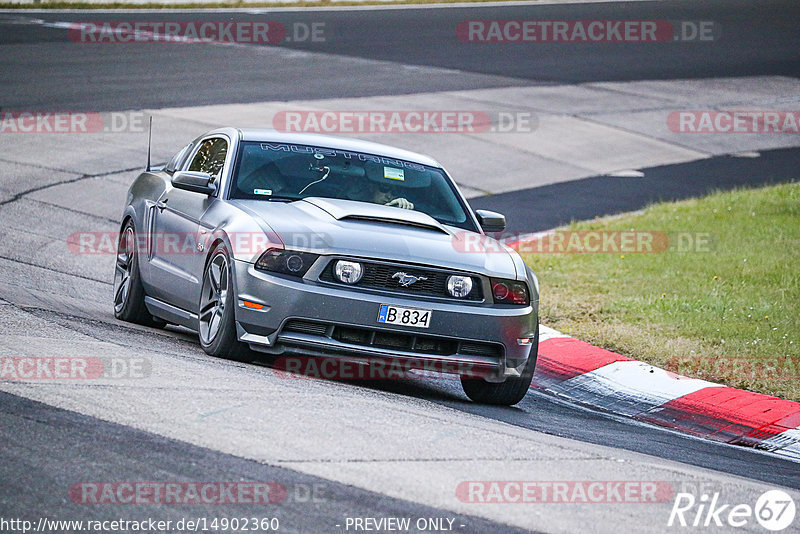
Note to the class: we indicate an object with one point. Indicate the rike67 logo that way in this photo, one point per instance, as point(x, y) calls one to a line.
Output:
point(774, 510)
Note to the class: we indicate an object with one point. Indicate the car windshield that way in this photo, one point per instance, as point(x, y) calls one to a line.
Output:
point(277, 171)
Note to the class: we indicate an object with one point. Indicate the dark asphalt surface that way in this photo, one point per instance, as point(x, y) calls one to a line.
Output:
point(541, 412)
point(43, 70)
point(549, 206)
point(47, 450)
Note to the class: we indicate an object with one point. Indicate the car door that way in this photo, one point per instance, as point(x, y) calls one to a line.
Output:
point(179, 237)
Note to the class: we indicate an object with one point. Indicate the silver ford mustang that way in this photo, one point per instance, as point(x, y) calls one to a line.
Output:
point(319, 246)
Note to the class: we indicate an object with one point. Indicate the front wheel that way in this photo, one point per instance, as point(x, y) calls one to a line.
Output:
point(506, 393)
point(216, 321)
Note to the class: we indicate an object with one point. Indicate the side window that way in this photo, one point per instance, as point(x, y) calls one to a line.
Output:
point(210, 157)
point(177, 159)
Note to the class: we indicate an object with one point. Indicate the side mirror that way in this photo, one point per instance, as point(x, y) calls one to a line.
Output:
point(197, 182)
point(491, 221)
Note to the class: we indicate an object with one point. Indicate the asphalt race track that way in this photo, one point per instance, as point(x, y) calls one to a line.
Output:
point(340, 449)
point(761, 38)
point(597, 196)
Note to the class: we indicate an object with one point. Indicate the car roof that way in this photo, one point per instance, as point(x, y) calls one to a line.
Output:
point(328, 141)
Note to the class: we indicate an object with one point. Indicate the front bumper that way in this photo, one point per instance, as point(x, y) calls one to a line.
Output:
point(314, 318)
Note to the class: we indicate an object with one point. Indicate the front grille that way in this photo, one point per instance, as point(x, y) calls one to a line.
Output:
point(379, 275)
point(306, 327)
point(481, 349)
point(369, 337)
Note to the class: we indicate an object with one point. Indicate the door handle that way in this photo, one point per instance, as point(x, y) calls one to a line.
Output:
point(162, 205)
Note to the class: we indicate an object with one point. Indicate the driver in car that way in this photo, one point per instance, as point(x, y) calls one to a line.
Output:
point(381, 194)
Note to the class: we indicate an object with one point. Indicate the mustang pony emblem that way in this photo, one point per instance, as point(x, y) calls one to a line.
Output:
point(406, 280)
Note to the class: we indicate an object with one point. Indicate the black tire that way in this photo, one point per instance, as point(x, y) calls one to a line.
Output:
point(217, 322)
point(128, 290)
point(506, 393)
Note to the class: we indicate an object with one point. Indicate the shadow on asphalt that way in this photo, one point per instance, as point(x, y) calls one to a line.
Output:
point(542, 412)
point(549, 206)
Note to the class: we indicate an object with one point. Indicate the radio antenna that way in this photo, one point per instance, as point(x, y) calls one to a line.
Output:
point(149, 140)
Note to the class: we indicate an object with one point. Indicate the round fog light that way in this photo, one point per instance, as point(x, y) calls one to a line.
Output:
point(294, 263)
point(500, 291)
point(459, 286)
point(348, 272)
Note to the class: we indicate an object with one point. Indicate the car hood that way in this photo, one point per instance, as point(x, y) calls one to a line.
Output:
point(350, 228)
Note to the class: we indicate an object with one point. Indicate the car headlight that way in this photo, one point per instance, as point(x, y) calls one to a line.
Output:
point(459, 286)
point(349, 272)
point(510, 292)
point(286, 262)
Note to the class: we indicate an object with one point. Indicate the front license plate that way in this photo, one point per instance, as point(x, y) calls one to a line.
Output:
point(404, 316)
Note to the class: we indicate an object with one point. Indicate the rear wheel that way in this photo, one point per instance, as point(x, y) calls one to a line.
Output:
point(505, 393)
point(217, 322)
point(128, 290)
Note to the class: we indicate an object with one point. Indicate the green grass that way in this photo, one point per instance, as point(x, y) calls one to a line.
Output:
point(731, 314)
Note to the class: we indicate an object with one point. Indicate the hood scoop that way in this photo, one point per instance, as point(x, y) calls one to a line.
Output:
point(350, 210)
